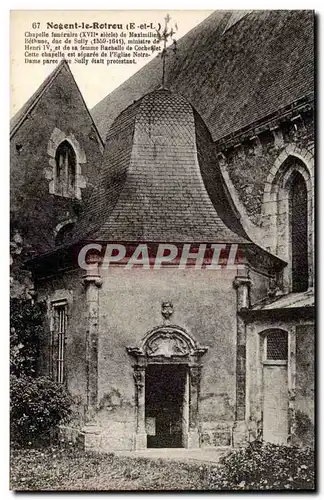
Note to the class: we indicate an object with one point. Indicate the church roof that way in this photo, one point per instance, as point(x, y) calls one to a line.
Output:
point(233, 70)
point(158, 163)
point(289, 301)
point(18, 119)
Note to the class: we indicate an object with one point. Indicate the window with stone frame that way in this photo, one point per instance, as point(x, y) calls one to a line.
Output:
point(288, 208)
point(64, 233)
point(277, 345)
point(298, 233)
point(65, 170)
point(58, 342)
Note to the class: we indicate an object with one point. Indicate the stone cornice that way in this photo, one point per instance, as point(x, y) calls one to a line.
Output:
point(269, 122)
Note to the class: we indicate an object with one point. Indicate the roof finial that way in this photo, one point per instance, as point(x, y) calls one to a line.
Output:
point(164, 36)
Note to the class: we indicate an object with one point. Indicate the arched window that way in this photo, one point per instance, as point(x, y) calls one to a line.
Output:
point(289, 218)
point(65, 169)
point(64, 233)
point(298, 232)
point(277, 345)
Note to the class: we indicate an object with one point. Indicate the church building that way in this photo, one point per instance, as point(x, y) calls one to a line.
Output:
point(170, 232)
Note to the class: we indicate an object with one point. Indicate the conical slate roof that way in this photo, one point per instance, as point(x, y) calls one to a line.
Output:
point(158, 160)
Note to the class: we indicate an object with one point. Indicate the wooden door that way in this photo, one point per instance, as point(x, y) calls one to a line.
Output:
point(275, 403)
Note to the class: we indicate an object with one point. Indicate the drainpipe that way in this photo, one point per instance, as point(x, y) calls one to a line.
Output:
point(242, 284)
point(92, 282)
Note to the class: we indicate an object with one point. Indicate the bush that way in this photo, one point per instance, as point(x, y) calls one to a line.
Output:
point(265, 466)
point(26, 325)
point(37, 406)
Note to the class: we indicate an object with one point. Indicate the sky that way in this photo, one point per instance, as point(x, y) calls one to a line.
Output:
point(94, 81)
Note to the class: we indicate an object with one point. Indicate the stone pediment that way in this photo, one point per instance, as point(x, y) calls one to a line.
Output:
point(167, 342)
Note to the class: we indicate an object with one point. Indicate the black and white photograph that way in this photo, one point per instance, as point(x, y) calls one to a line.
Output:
point(162, 250)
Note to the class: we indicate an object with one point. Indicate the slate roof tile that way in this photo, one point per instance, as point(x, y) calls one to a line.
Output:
point(264, 62)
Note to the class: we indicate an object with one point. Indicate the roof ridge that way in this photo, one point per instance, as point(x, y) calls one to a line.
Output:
point(34, 99)
point(85, 105)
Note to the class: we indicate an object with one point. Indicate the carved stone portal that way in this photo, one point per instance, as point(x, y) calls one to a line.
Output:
point(168, 344)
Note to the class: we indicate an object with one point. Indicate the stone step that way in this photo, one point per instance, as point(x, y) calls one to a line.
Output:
point(210, 455)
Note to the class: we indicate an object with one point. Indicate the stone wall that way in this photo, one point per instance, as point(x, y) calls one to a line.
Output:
point(204, 304)
point(68, 286)
point(259, 286)
point(129, 306)
point(249, 157)
point(35, 212)
point(305, 384)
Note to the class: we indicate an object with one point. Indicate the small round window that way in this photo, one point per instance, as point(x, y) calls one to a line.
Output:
point(277, 345)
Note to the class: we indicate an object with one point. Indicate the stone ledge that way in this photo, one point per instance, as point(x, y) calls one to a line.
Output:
point(215, 434)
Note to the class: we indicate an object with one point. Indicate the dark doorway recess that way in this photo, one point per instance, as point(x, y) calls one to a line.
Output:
point(166, 405)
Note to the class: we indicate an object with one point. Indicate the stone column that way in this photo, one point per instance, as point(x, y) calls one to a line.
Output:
point(140, 436)
point(194, 386)
point(92, 282)
point(242, 284)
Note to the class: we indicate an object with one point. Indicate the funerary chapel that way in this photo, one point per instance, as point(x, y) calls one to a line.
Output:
point(170, 232)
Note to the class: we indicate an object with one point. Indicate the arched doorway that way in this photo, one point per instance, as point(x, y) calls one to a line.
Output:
point(167, 383)
point(275, 385)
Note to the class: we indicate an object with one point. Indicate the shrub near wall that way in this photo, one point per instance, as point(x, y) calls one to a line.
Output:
point(26, 325)
point(265, 466)
point(37, 406)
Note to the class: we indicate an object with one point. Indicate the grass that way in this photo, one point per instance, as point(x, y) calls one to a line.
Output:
point(255, 467)
point(61, 469)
